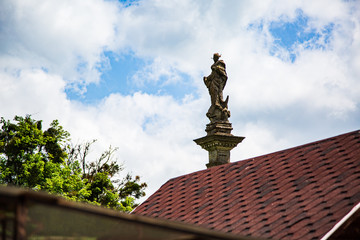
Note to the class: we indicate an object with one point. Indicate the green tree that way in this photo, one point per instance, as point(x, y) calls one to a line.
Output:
point(46, 160)
point(27, 154)
point(103, 177)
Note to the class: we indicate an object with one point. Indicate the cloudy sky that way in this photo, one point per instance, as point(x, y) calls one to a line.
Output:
point(129, 74)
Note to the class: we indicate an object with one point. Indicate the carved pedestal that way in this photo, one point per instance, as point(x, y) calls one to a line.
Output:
point(218, 142)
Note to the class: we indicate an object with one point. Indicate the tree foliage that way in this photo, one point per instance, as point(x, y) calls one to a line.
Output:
point(46, 160)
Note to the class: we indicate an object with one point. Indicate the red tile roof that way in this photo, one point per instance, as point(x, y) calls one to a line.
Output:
point(298, 193)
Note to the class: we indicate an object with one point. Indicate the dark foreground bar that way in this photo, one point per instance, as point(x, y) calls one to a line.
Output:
point(34, 215)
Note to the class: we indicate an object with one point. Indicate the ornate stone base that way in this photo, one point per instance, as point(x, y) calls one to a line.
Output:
point(219, 147)
point(219, 128)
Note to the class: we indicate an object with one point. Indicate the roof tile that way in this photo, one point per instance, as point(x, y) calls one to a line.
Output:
point(298, 193)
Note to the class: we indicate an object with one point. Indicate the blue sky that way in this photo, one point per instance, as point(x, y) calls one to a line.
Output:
point(116, 77)
point(290, 34)
point(130, 74)
point(116, 74)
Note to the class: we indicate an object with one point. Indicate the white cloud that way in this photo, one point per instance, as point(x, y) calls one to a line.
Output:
point(223, 27)
point(66, 37)
point(152, 133)
point(32, 92)
point(155, 72)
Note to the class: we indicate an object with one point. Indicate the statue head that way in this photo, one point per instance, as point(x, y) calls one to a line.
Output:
point(216, 57)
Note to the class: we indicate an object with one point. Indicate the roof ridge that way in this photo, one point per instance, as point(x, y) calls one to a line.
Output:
point(304, 145)
point(267, 154)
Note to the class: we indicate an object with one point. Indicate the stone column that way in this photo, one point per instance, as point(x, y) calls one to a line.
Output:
point(218, 142)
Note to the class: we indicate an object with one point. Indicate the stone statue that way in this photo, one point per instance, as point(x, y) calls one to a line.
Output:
point(218, 141)
point(215, 82)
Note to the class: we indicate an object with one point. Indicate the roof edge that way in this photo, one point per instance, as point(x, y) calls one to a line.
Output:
point(346, 219)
